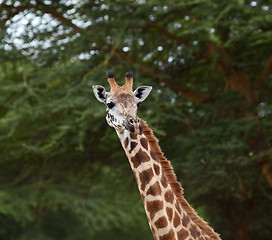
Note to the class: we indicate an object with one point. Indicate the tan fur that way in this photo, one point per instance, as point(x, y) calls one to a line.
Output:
point(128, 84)
point(115, 88)
point(175, 185)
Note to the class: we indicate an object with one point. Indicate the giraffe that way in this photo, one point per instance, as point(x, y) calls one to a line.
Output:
point(169, 215)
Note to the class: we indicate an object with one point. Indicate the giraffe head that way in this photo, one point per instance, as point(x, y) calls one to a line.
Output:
point(122, 103)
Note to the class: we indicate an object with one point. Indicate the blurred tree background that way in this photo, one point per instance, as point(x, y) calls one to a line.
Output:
point(63, 173)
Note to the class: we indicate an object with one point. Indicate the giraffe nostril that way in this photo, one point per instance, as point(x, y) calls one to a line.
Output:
point(141, 128)
point(131, 121)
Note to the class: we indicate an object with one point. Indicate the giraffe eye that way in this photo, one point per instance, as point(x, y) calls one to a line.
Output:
point(110, 105)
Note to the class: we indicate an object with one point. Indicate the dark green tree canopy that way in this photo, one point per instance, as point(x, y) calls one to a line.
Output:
point(63, 174)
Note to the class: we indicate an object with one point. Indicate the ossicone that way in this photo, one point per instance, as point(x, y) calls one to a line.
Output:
point(129, 75)
point(110, 75)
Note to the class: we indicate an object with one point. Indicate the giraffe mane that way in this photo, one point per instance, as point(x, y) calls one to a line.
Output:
point(174, 184)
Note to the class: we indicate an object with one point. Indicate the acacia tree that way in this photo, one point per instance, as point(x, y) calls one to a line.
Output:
point(212, 62)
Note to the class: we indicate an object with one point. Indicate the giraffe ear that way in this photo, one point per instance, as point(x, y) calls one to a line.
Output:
point(100, 93)
point(142, 92)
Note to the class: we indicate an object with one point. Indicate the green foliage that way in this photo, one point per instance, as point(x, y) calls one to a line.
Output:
point(63, 174)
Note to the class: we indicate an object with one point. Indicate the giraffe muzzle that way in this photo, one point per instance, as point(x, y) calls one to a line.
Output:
point(134, 125)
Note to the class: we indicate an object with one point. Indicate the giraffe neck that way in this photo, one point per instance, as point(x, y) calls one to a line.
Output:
point(168, 213)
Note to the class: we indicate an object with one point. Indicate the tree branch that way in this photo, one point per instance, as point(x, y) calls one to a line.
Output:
point(47, 9)
point(40, 6)
point(267, 70)
point(236, 79)
point(163, 31)
point(12, 11)
point(193, 95)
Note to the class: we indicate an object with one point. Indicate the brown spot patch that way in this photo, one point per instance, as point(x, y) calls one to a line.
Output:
point(164, 180)
point(145, 177)
point(182, 234)
point(144, 143)
point(185, 220)
point(176, 220)
point(132, 146)
point(139, 158)
point(126, 143)
point(157, 169)
point(169, 212)
point(169, 196)
point(161, 222)
point(154, 190)
point(153, 155)
point(133, 136)
point(178, 207)
point(153, 207)
point(169, 236)
point(194, 231)
point(121, 131)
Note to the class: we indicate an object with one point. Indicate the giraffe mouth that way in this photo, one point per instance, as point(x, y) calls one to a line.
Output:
point(133, 125)
point(130, 128)
point(134, 129)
